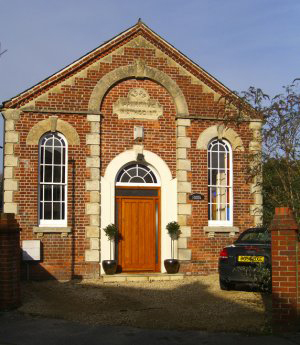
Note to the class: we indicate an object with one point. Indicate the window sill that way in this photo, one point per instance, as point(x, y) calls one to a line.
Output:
point(211, 230)
point(50, 229)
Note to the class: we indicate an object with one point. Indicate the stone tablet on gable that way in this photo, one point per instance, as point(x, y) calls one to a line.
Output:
point(137, 105)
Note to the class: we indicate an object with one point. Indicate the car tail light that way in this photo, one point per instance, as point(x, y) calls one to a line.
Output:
point(223, 254)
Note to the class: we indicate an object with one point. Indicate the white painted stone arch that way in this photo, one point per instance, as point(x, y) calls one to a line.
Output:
point(220, 132)
point(168, 198)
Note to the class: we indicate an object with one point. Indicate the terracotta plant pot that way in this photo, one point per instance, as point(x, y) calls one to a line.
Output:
point(172, 266)
point(109, 266)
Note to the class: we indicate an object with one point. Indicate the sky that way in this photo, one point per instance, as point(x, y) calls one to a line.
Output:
point(242, 43)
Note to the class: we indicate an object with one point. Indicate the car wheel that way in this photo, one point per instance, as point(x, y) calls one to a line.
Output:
point(225, 285)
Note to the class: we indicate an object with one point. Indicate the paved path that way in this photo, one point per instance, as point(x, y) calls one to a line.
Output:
point(17, 329)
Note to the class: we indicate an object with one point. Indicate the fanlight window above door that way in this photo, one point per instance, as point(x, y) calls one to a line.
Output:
point(136, 173)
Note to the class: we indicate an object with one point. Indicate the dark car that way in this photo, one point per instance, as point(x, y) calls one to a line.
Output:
point(245, 259)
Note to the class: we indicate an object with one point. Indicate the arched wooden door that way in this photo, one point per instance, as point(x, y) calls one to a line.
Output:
point(138, 221)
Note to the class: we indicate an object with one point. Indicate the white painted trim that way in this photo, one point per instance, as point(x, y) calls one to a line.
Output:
point(168, 198)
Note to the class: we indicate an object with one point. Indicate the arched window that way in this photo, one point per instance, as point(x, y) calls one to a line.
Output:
point(53, 180)
point(137, 174)
point(219, 183)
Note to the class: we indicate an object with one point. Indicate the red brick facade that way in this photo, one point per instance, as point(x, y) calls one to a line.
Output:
point(285, 271)
point(10, 295)
point(67, 95)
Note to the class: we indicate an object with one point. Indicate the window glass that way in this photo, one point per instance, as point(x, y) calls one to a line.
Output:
point(219, 182)
point(136, 173)
point(52, 180)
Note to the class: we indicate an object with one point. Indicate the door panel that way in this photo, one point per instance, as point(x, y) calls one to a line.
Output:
point(137, 230)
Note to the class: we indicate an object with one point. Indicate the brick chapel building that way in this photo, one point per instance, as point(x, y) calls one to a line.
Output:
point(126, 134)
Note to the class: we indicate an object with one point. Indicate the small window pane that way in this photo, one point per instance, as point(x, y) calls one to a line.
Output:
point(63, 174)
point(214, 160)
point(215, 147)
point(132, 172)
point(137, 180)
point(221, 178)
point(57, 142)
point(56, 193)
point(47, 210)
point(63, 188)
point(213, 194)
point(64, 156)
point(141, 172)
point(153, 177)
point(63, 210)
point(41, 193)
point(148, 179)
point(222, 160)
point(42, 155)
point(222, 211)
point(47, 192)
point(48, 173)
point(48, 155)
point(214, 174)
point(125, 178)
point(41, 210)
point(41, 173)
point(57, 155)
point(57, 173)
point(49, 142)
point(214, 212)
point(56, 210)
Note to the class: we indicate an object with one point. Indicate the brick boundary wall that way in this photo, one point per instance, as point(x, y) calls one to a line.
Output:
point(9, 262)
point(285, 271)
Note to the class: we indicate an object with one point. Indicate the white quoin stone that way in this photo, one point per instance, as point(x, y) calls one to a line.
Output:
point(92, 231)
point(183, 142)
point(184, 187)
point(92, 255)
point(184, 164)
point(92, 185)
point(184, 122)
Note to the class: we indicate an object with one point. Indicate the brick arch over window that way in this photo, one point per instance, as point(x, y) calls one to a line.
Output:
point(220, 132)
point(47, 125)
point(138, 70)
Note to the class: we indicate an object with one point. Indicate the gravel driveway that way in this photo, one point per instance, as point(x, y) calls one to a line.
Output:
point(191, 303)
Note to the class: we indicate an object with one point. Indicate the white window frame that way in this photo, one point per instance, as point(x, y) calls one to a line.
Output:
point(219, 222)
point(53, 222)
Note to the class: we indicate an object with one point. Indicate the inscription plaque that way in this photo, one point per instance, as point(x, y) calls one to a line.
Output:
point(137, 105)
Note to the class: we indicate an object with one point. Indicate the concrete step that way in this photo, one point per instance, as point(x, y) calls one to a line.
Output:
point(141, 277)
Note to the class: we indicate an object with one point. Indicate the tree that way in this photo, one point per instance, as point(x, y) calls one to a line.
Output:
point(1, 192)
point(279, 161)
point(2, 52)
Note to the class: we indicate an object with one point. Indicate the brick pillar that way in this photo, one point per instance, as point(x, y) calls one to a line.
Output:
point(9, 262)
point(285, 271)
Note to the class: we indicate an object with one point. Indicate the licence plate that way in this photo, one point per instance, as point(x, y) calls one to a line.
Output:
point(251, 259)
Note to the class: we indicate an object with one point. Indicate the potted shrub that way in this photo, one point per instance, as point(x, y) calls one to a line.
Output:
point(110, 266)
point(172, 265)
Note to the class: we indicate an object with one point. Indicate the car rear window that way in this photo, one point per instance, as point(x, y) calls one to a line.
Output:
point(255, 236)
